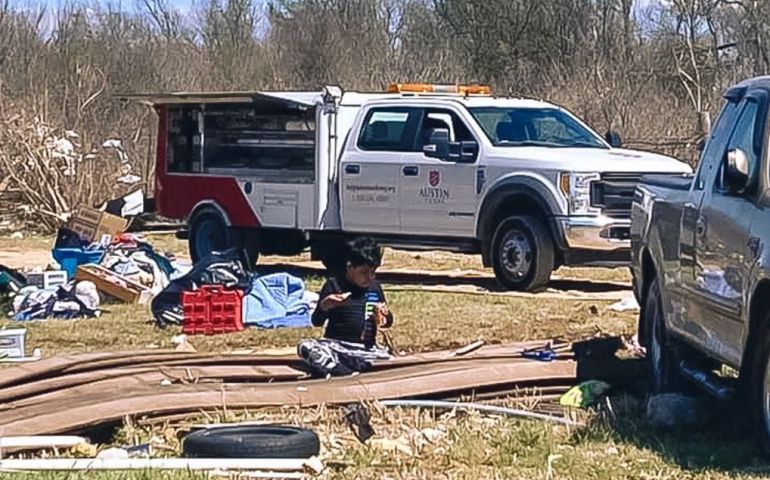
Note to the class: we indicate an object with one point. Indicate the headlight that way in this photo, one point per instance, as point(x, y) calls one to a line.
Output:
point(576, 187)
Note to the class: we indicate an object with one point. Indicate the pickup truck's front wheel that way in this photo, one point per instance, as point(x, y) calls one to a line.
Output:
point(660, 357)
point(522, 253)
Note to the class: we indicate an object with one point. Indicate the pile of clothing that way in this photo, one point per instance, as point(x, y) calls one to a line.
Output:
point(77, 299)
point(136, 260)
point(278, 300)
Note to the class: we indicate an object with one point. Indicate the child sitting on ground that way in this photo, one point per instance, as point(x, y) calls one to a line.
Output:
point(353, 306)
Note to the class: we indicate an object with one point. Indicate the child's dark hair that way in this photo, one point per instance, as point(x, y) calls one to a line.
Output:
point(364, 251)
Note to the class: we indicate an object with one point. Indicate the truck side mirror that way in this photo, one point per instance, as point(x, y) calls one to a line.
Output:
point(463, 152)
point(438, 144)
point(737, 170)
point(613, 138)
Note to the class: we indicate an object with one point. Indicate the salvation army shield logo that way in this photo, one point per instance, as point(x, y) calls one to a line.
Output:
point(434, 178)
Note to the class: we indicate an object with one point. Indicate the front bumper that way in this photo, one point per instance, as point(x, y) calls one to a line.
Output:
point(595, 233)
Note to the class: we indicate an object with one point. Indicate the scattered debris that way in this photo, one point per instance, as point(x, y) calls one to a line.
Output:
point(192, 464)
point(388, 445)
point(472, 347)
point(627, 304)
point(508, 412)
point(358, 419)
point(585, 394)
point(12, 343)
point(41, 442)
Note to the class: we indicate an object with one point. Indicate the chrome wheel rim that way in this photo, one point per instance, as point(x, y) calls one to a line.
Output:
point(516, 253)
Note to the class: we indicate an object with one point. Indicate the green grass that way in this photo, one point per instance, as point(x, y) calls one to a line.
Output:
point(614, 446)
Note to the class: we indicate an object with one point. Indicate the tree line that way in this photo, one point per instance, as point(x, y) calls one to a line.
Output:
point(653, 71)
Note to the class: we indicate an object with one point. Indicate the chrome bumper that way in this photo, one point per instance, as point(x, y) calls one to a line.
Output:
point(596, 233)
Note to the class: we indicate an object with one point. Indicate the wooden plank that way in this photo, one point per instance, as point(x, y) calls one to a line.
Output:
point(12, 397)
point(92, 406)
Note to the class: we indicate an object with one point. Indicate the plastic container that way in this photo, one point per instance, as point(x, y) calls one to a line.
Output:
point(212, 310)
point(48, 280)
point(70, 258)
point(12, 343)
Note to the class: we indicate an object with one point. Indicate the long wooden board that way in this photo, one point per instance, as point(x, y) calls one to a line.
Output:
point(93, 405)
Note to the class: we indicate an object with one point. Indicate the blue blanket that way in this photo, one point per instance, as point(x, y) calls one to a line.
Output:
point(276, 301)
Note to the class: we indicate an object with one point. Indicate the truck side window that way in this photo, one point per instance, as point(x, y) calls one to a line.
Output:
point(743, 138)
point(388, 130)
point(717, 144)
point(435, 118)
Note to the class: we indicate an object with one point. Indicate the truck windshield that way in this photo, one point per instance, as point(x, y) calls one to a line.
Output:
point(538, 127)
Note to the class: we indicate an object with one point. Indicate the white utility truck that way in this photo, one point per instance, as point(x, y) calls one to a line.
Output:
point(524, 183)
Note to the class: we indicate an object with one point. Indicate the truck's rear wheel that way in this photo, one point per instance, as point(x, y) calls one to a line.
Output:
point(209, 233)
point(522, 253)
point(661, 356)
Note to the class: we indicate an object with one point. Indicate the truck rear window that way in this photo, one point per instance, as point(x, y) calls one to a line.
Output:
point(386, 130)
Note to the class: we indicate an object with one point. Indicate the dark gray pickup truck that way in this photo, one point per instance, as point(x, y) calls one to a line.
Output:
point(701, 262)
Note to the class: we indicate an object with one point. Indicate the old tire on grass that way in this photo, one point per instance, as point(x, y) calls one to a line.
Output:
point(662, 372)
point(523, 254)
point(268, 441)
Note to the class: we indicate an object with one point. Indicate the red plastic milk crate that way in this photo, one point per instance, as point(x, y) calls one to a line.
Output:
point(212, 310)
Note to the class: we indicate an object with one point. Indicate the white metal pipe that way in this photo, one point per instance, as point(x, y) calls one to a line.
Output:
point(199, 464)
point(41, 441)
point(508, 412)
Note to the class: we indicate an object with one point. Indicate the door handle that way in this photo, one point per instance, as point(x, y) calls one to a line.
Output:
point(700, 227)
point(410, 171)
point(352, 169)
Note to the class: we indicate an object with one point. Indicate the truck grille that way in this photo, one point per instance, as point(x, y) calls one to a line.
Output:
point(614, 193)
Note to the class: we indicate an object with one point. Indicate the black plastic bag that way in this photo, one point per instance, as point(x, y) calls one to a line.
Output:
point(219, 268)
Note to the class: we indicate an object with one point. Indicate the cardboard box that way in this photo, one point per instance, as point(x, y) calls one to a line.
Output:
point(114, 285)
point(96, 226)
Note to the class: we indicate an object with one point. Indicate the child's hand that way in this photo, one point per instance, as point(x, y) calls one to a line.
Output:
point(333, 301)
point(381, 312)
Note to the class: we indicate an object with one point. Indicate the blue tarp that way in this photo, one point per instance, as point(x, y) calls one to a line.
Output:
point(276, 301)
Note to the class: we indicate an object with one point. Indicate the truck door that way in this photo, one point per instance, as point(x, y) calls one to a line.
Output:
point(370, 169)
point(439, 196)
point(711, 158)
point(723, 253)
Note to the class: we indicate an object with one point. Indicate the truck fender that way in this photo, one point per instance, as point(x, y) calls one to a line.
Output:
point(530, 186)
point(209, 205)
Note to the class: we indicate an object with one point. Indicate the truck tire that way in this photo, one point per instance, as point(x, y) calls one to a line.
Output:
point(662, 372)
point(263, 441)
point(210, 233)
point(522, 253)
point(759, 388)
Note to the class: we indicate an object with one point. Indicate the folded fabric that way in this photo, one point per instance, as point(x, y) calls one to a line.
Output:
point(277, 301)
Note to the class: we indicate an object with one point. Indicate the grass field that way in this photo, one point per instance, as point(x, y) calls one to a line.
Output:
point(616, 444)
